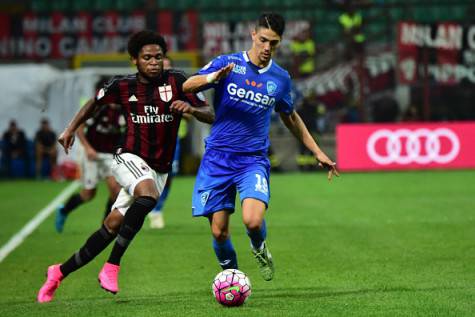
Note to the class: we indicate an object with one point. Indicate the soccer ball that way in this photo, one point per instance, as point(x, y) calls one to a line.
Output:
point(231, 287)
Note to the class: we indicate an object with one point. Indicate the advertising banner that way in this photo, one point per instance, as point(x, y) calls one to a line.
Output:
point(406, 146)
point(59, 35)
point(444, 52)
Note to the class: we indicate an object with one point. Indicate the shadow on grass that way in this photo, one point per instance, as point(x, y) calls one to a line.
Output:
point(315, 292)
point(304, 294)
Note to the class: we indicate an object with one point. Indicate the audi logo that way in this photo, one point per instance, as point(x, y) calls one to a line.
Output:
point(422, 146)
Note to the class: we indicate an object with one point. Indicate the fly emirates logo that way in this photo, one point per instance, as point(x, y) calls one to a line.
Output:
point(249, 96)
point(151, 116)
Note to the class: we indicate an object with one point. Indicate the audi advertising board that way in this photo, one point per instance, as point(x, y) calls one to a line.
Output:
point(406, 146)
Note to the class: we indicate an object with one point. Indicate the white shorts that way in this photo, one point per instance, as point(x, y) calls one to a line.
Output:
point(96, 170)
point(129, 170)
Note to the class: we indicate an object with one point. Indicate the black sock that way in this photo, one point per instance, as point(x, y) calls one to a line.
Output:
point(108, 210)
point(73, 201)
point(133, 221)
point(97, 242)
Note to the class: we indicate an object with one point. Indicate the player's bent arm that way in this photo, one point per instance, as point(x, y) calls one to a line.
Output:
point(203, 114)
point(199, 82)
point(195, 83)
point(295, 124)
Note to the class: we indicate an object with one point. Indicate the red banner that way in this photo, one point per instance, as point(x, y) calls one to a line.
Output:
point(441, 51)
point(58, 34)
point(406, 146)
point(180, 29)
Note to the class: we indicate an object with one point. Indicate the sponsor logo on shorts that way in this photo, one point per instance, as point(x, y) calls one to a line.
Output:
point(144, 167)
point(204, 198)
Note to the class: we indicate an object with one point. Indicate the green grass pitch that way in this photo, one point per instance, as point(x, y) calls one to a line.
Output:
point(376, 244)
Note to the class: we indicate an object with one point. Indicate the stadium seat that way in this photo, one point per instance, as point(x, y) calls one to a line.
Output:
point(81, 5)
point(18, 168)
point(129, 5)
point(459, 12)
point(398, 14)
point(40, 5)
point(102, 5)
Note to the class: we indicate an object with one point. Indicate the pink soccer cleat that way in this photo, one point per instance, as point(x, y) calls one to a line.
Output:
point(53, 279)
point(108, 277)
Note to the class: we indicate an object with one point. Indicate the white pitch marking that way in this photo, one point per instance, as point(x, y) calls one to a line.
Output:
point(19, 237)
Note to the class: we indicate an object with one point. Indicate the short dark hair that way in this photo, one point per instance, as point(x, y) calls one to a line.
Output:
point(142, 38)
point(272, 21)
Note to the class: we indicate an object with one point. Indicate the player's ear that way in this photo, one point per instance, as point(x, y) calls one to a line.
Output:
point(133, 60)
point(253, 34)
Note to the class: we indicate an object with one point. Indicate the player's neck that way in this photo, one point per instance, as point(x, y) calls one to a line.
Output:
point(147, 80)
point(253, 57)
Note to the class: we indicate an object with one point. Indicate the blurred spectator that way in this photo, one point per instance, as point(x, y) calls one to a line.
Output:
point(308, 112)
point(15, 151)
point(45, 146)
point(351, 22)
point(303, 54)
point(412, 114)
point(385, 109)
point(275, 163)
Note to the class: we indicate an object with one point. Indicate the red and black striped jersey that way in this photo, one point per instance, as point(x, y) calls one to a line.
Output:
point(151, 127)
point(105, 129)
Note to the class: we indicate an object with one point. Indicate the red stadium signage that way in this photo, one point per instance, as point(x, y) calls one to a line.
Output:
point(444, 51)
point(406, 146)
point(63, 35)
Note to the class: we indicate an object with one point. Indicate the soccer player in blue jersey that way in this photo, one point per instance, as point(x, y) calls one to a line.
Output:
point(248, 86)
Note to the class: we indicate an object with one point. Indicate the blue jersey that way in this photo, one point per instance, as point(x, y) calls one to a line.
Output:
point(244, 101)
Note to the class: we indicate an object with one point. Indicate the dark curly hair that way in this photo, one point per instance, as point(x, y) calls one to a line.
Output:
point(142, 38)
point(272, 21)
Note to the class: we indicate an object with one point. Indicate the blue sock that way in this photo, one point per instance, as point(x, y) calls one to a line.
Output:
point(258, 236)
point(226, 254)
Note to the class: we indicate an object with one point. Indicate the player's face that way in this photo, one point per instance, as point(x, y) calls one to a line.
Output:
point(265, 42)
point(150, 61)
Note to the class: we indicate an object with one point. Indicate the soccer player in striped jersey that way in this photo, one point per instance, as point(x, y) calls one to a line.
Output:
point(99, 137)
point(153, 103)
point(248, 86)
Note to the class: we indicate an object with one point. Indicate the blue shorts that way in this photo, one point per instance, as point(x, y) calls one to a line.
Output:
point(221, 174)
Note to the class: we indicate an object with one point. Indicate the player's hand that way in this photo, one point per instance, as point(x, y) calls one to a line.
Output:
point(181, 107)
point(91, 154)
point(329, 165)
point(66, 139)
point(221, 73)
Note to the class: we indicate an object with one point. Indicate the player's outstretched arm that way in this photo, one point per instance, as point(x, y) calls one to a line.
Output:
point(204, 114)
point(294, 123)
point(66, 138)
point(198, 82)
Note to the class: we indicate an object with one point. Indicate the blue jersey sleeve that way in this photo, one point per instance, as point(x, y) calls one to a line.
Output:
point(285, 104)
point(216, 64)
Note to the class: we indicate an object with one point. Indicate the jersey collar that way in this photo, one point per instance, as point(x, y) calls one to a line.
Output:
point(260, 70)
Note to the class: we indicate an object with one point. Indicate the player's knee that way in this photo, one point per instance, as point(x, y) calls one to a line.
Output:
point(220, 234)
point(88, 194)
point(253, 224)
point(146, 202)
point(113, 221)
point(146, 188)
